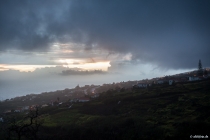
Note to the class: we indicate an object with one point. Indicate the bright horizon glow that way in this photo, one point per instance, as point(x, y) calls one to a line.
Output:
point(23, 68)
point(96, 66)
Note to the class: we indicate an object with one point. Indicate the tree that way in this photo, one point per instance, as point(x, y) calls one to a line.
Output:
point(200, 65)
point(26, 128)
point(200, 69)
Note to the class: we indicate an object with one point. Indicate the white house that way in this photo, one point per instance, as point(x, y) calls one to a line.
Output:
point(17, 110)
point(45, 105)
point(73, 100)
point(95, 95)
point(1, 119)
point(170, 82)
point(25, 108)
point(84, 99)
point(141, 85)
point(160, 82)
point(193, 78)
point(85, 91)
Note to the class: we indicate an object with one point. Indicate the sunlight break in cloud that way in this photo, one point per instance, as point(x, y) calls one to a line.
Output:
point(72, 63)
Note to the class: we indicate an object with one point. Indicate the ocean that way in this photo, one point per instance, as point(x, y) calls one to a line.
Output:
point(10, 88)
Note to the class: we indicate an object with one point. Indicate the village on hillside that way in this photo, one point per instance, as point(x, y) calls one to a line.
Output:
point(68, 97)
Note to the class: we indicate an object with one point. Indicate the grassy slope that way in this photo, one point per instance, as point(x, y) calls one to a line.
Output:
point(159, 112)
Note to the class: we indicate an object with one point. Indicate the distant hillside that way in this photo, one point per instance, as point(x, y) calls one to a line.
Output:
point(158, 112)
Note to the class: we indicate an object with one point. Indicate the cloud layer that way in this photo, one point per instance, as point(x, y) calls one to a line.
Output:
point(170, 34)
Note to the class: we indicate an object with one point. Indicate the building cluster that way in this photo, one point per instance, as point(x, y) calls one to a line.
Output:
point(170, 80)
point(83, 94)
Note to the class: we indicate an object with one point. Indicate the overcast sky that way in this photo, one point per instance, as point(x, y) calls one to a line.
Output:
point(141, 37)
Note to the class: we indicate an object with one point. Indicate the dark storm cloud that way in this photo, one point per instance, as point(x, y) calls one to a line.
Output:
point(172, 34)
point(23, 24)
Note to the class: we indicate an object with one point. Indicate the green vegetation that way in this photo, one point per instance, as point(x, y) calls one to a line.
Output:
point(158, 112)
